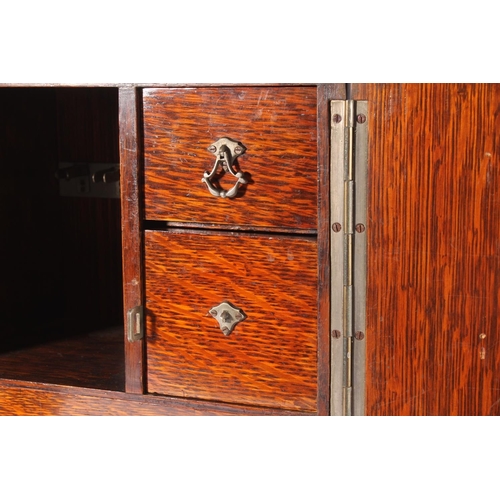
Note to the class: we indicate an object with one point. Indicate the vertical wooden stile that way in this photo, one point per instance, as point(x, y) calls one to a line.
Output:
point(130, 161)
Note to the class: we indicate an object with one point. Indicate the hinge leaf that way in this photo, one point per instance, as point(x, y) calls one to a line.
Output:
point(348, 170)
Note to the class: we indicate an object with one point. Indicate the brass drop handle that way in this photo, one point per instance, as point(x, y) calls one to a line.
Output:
point(226, 151)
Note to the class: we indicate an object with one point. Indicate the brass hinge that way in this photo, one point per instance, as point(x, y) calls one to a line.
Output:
point(135, 323)
point(348, 173)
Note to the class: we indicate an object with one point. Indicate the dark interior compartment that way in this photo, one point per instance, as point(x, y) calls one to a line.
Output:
point(61, 286)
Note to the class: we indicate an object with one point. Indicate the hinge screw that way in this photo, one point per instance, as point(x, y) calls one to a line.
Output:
point(361, 118)
point(360, 228)
point(212, 149)
point(238, 150)
point(336, 226)
point(336, 334)
point(359, 335)
point(336, 118)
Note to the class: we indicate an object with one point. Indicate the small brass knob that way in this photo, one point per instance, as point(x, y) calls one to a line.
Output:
point(228, 316)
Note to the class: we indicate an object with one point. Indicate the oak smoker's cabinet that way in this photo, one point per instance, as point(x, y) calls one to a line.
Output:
point(167, 249)
point(324, 249)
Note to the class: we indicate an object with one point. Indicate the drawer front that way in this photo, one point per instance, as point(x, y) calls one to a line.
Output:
point(270, 358)
point(276, 125)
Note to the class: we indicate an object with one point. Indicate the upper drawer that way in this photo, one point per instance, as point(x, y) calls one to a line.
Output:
point(276, 125)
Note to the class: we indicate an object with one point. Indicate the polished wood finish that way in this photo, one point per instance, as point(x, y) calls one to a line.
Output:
point(433, 269)
point(277, 125)
point(74, 124)
point(28, 398)
point(130, 186)
point(433, 255)
point(270, 359)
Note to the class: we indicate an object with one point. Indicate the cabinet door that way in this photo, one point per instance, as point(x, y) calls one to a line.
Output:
point(433, 335)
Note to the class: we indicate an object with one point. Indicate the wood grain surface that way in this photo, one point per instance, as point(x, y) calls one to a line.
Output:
point(270, 359)
point(132, 235)
point(28, 398)
point(433, 249)
point(277, 125)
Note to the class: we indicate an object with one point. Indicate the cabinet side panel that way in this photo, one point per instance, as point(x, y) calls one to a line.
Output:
point(433, 254)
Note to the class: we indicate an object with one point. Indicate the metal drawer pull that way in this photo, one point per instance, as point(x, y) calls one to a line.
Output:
point(226, 151)
point(228, 316)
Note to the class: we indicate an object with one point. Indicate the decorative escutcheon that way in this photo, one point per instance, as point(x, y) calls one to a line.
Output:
point(228, 316)
point(225, 151)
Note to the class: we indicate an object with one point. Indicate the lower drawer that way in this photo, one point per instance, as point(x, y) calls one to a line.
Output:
point(270, 357)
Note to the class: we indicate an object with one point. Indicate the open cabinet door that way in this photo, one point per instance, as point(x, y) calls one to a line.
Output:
point(432, 339)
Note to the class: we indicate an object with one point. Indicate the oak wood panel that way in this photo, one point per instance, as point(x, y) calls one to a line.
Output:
point(28, 398)
point(270, 359)
point(130, 192)
point(278, 127)
point(433, 249)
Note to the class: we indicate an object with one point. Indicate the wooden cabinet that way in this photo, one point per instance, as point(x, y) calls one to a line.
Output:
point(178, 298)
point(186, 251)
